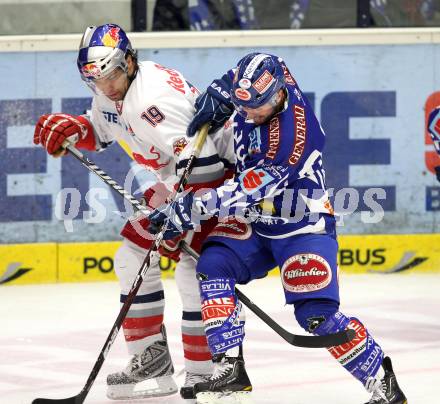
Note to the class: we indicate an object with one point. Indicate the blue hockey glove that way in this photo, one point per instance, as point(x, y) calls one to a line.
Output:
point(213, 106)
point(182, 213)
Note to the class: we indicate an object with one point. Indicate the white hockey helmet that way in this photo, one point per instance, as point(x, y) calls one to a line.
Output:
point(103, 49)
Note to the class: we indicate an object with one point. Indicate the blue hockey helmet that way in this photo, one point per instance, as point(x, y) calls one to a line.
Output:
point(257, 80)
point(103, 49)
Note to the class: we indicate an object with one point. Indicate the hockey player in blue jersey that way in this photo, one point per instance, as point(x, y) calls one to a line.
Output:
point(275, 211)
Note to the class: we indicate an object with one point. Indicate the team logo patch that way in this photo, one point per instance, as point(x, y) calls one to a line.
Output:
point(111, 37)
point(241, 94)
point(91, 70)
point(306, 273)
point(253, 180)
point(179, 145)
point(232, 228)
point(263, 82)
point(245, 84)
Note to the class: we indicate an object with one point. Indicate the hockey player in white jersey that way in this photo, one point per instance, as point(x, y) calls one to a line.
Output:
point(149, 107)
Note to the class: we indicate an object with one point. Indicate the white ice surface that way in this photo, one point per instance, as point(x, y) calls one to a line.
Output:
point(50, 337)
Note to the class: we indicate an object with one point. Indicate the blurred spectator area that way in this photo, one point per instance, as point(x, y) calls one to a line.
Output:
point(22, 17)
point(282, 14)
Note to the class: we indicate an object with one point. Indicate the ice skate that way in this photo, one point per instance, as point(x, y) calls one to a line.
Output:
point(386, 390)
point(187, 391)
point(229, 383)
point(148, 374)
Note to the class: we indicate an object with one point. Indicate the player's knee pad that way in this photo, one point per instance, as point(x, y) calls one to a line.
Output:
point(221, 314)
point(218, 261)
point(128, 260)
point(311, 313)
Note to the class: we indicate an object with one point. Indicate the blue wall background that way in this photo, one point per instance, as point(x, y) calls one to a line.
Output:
point(370, 100)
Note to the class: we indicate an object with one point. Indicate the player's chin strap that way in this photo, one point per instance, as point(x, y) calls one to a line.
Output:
point(304, 341)
point(200, 140)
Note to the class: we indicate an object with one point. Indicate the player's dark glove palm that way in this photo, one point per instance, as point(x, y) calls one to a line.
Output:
point(208, 109)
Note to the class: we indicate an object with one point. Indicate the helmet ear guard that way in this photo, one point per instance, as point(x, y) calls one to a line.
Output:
point(257, 81)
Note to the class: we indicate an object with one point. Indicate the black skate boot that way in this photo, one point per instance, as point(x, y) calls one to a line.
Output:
point(187, 390)
point(386, 391)
point(229, 379)
point(153, 368)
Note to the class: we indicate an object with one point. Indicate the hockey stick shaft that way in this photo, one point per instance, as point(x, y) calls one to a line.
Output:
point(199, 141)
point(92, 167)
point(304, 341)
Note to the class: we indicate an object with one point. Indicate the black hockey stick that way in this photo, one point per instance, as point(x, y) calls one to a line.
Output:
point(81, 396)
point(306, 341)
point(303, 341)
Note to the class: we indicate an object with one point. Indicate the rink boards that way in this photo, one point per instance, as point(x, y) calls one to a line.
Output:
point(92, 262)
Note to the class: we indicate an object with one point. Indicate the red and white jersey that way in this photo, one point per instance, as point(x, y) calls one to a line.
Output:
point(152, 121)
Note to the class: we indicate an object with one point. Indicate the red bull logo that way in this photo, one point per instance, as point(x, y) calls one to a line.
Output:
point(150, 163)
point(111, 37)
point(91, 70)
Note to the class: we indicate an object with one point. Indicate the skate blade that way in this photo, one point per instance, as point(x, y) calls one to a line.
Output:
point(157, 387)
point(236, 397)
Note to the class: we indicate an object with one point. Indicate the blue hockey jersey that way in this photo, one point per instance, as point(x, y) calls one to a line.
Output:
point(279, 182)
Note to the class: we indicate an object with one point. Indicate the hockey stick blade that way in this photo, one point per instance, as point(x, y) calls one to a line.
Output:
point(302, 341)
point(78, 399)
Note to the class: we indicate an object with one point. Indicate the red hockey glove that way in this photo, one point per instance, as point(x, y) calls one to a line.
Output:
point(52, 130)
